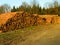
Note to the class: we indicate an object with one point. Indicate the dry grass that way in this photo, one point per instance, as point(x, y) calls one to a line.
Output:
point(13, 37)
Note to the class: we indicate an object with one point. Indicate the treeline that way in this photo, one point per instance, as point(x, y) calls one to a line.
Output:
point(36, 8)
point(53, 8)
point(59, 10)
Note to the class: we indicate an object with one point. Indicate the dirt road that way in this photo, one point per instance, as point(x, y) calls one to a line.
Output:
point(37, 35)
point(50, 36)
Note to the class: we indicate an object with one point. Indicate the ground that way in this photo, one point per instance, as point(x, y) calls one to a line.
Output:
point(34, 35)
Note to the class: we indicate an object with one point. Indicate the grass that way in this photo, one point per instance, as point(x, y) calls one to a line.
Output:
point(6, 38)
point(20, 35)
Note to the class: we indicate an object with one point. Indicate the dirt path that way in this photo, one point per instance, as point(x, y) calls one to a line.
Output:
point(49, 36)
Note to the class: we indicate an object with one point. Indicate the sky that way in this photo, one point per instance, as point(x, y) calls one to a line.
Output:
point(17, 3)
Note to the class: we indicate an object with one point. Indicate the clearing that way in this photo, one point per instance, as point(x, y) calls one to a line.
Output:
point(34, 35)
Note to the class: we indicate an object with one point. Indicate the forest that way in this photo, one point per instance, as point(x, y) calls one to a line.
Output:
point(34, 8)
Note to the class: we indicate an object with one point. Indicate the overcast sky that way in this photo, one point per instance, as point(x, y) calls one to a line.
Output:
point(19, 2)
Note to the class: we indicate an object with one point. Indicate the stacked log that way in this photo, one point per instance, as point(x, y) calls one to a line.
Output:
point(58, 21)
point(46, 19)
point(23, 19)
point(54, 19)
point(20, 20)
point(34, 19)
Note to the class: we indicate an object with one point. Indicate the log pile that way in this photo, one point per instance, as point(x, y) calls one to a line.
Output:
point(58, 21)
point(18, 20)
point(46, 19)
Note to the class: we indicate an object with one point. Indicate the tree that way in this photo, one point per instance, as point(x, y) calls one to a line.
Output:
point(5, 8)
point(55, 4)
point(35, 7)
point(14, 9)
point(53, 8)
point(59, 10)
point(24, 7)
point(56, 7)
point(1, 10)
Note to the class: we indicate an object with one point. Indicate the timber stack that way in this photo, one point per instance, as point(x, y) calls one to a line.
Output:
point(17, 20)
